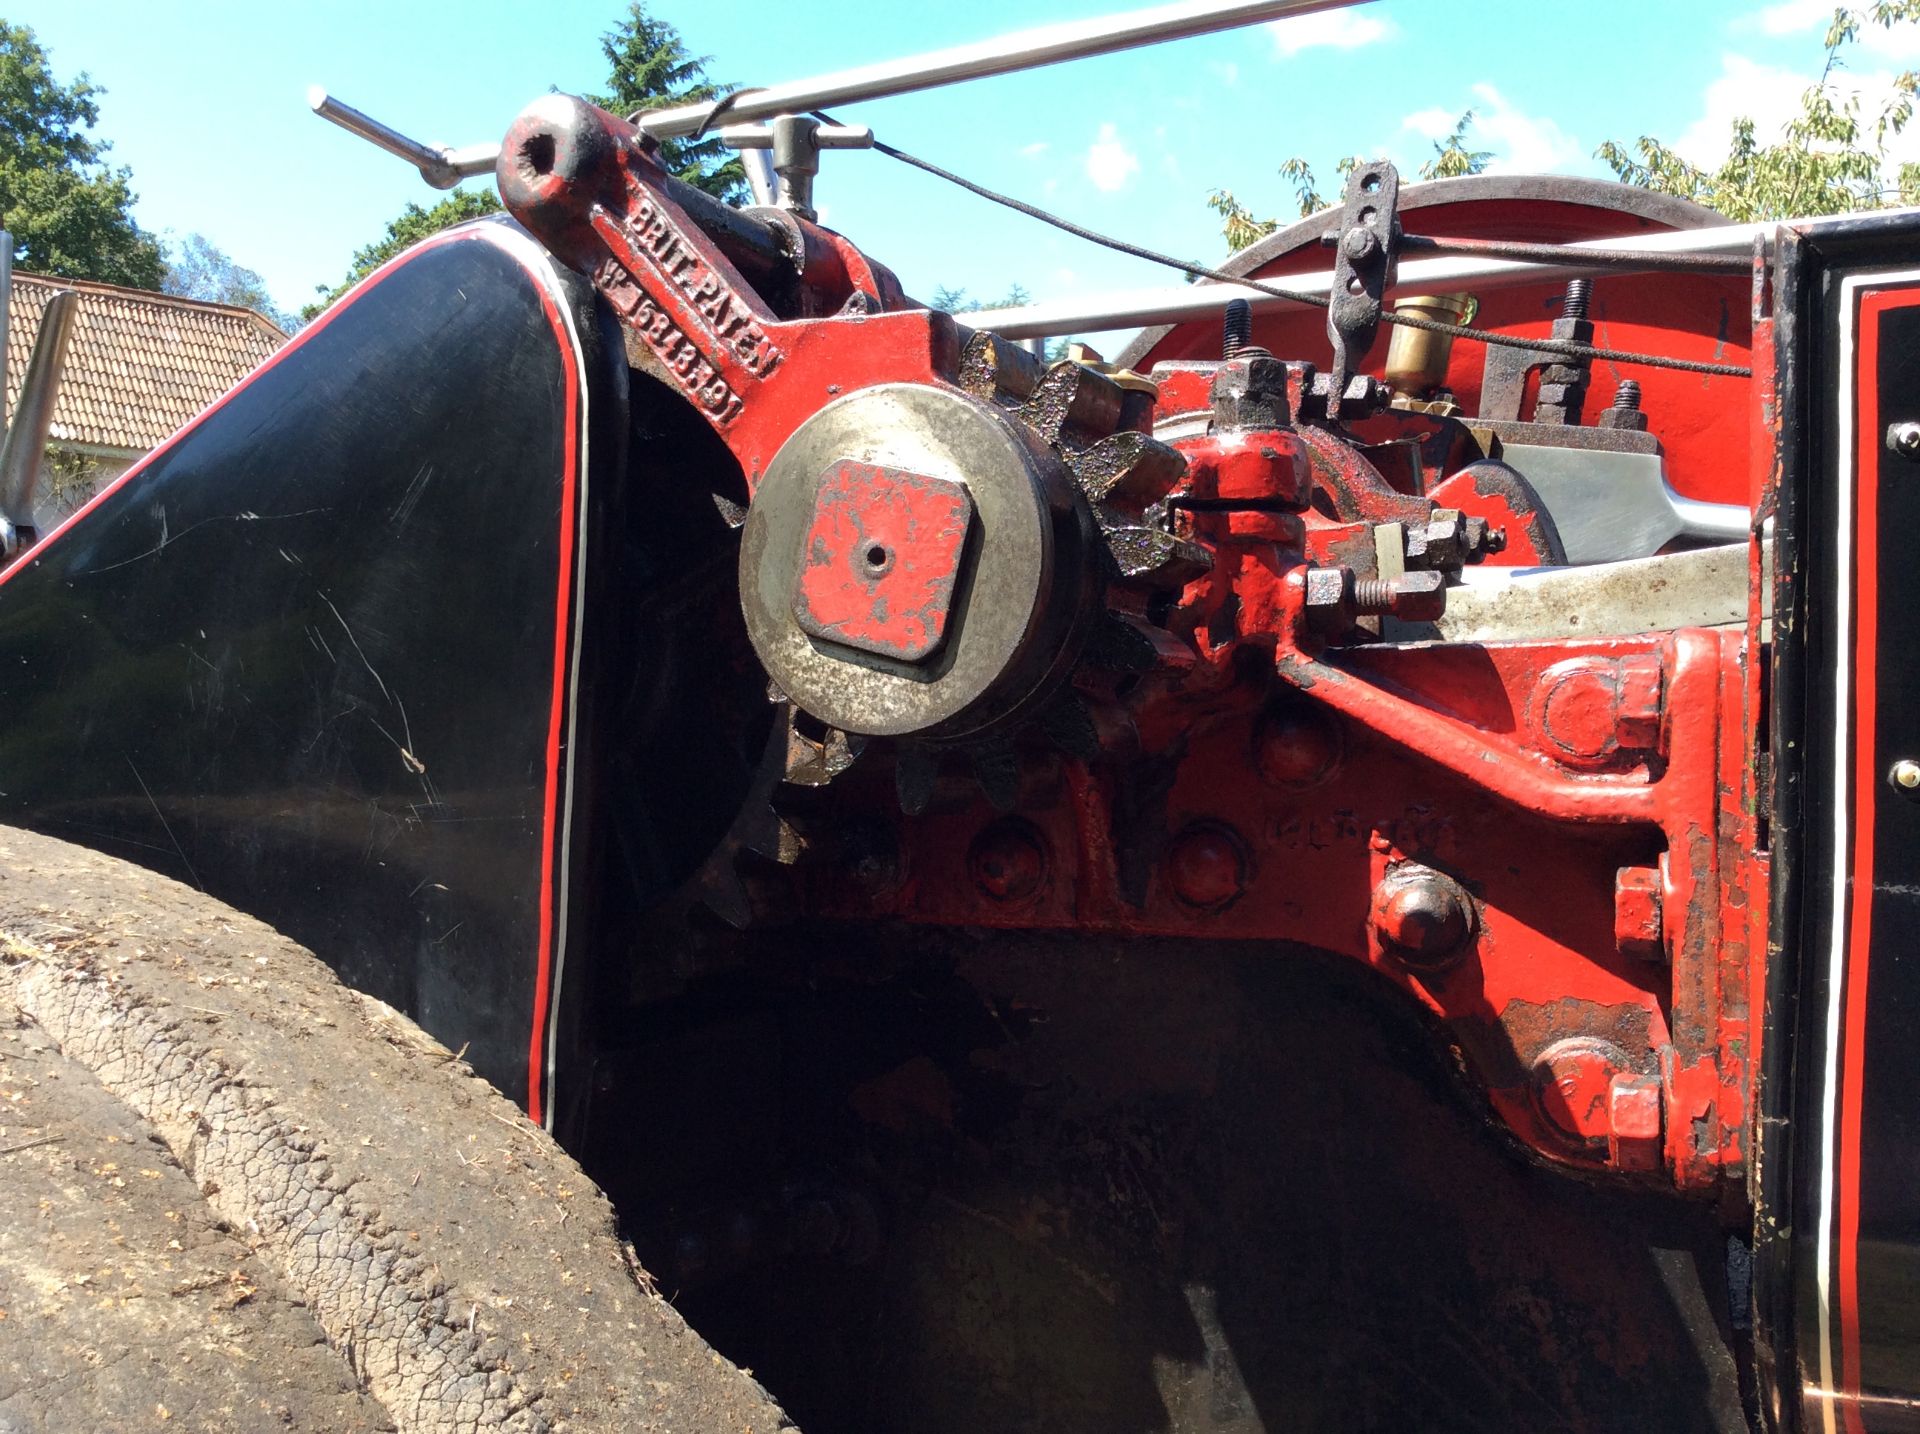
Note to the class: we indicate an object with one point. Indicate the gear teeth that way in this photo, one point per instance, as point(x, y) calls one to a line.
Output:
point(1129, 468)
point(813, 763)
point(722, 891)
point(916, 771)
point(1069, 724)
point(1074, 406)
point(1118, 643)
point(1153, 558)
point(997, 767)
point(998, 369)
point(772, 837)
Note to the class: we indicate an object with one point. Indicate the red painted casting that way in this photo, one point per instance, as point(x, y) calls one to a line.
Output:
point(1548, 845)
point(882, 555)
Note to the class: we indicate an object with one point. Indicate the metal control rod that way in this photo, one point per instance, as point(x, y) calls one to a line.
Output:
point(439, 166)
point(1024, 50)
point(1179, 303)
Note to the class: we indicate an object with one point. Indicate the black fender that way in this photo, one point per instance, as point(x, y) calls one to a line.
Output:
point(322, 653)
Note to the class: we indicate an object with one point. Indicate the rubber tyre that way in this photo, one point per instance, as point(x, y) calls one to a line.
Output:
point(235, 1195)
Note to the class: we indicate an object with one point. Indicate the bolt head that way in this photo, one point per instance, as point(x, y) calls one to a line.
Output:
point(1631, 419)
point(1329, 587)
point(1422, 916)
point(1329, 600)
point(1250, 391)
point(1637, 929)
point(1361, 244)
point(1634, 1123)
point(1573, 1083)
point(1905, 775)
point(1904, 439)
point(1419, 597)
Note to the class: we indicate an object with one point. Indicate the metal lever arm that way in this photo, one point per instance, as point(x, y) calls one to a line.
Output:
point(796, 142)
point(438, 165)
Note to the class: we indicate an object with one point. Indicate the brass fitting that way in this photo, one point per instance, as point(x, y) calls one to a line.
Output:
point(1417, 358)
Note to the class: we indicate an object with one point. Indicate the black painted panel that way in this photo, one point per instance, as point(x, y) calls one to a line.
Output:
point(305, 657)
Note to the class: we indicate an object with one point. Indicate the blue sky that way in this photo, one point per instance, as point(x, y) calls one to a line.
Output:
point(205, 101)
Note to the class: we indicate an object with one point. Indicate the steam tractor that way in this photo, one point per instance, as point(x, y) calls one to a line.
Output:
point(1351, 867)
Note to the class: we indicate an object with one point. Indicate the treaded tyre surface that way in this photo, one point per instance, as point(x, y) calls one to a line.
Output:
point(235, 1195)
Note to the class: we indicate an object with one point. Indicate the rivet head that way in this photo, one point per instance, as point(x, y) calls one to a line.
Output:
point(1904, 439)
point(1008, 861)
point(1905, 775)
point(1207, 866)
point(1296, 749)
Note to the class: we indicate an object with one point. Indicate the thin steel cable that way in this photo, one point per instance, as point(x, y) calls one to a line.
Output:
point(1568, 347)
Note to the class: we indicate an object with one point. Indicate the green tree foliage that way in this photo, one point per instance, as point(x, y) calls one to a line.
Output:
point(1451, 157)
point(955, 301)
point(1830, 158)
point(198, 269)
point(413, 225)
point(1240, 226)
point(69, 211)
point(651, 69)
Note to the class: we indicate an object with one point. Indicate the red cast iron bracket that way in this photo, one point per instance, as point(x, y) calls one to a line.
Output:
point(588, 186)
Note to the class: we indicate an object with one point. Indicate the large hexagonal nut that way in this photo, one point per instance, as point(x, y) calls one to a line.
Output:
point(1634, 1123)
point(1329, 600)
point(1637, 924)
point(1595, 712)
point(882, 558)
point(1251, 393)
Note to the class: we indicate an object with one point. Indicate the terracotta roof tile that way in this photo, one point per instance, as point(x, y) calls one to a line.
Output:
point(139, 364)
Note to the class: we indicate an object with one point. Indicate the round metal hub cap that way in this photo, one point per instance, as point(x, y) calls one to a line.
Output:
point(915, 562)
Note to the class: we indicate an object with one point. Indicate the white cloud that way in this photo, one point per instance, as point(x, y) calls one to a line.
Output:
point(1789, 17)
point(1744, 89)
point(1520, 143)
point(1227, 72)
point(1435, 123)
point(1038, 147)
point(1110, 164)
point(1329, 29)
point(1896, 44)
point(1770, 96)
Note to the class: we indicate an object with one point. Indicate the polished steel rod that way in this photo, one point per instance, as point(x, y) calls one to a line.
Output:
point(1177, 303)
point(1023, 50)
point(442, 168)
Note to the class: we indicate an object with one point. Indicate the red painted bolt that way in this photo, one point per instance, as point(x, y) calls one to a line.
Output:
point(1421, 916)
point(1590, 1097)
point(1207, 866)
point(1636, 913)
point(1297, 748)
point(1573, 1081)
point(1008, 861)
point(1634, 1123)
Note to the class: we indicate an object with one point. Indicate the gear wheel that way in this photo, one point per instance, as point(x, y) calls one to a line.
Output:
point(1068, 418)
point(1096, 427)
